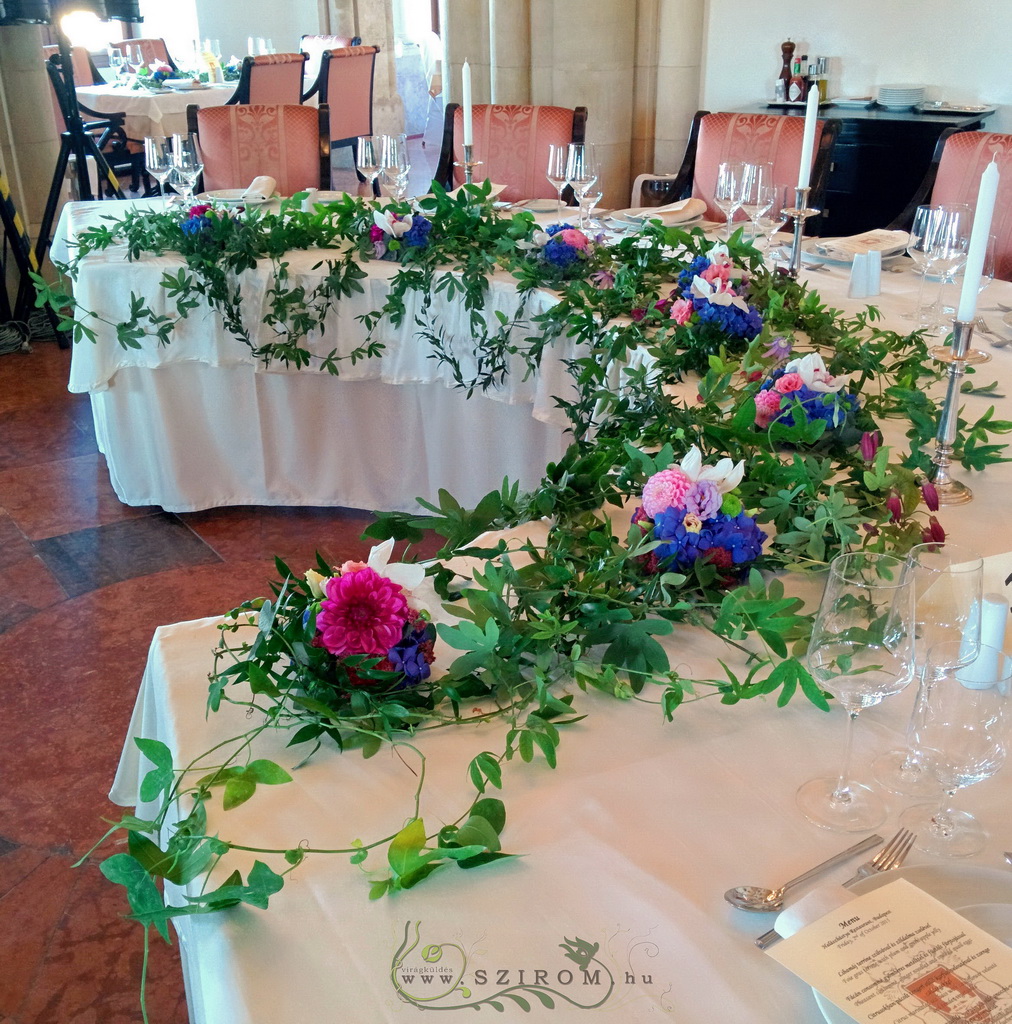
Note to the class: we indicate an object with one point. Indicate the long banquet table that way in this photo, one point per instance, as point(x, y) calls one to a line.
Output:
point(629, 843)
point(199, 423)
point(148, 112)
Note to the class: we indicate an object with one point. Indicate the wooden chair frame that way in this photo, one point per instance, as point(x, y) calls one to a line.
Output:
point(241, 94)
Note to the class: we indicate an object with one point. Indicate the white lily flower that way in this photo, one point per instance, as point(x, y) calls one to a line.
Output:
point(387, 222)
point(717, 251)
point(716, 295)
point(316, 582)
point(725, 475)
point(812, 370)
point(407, 574)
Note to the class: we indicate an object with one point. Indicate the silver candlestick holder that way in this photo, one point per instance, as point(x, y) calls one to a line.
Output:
point(951, 492)
point(800, 211)
point(468, 163)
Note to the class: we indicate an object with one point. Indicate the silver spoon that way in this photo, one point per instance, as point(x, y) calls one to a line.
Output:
point(754, 897)
point(1008, 856)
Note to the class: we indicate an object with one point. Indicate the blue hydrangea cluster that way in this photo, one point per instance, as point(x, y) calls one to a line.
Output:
point(418, 235)
point(412, 653)
point(696, 267)
point(194, 225)
point(557, 252)
point(734, 322)
point(728, 541)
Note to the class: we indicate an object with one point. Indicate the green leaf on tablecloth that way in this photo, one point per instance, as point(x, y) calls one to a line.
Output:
point(485, 770)
point(259, 681)
point(403, 854)
point(262, 883)
point(267, 772)
point(142, 893)
point(237, 791)
point(160, 778)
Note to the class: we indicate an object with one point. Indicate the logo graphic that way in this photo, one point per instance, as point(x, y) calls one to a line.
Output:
point(440, 976)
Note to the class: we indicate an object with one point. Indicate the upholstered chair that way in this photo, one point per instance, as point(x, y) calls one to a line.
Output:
point(345, 85)
point(954, 177)
point(512, 144)
point(85, 72)
point(289, 142)
point(757, 138)
point(314, 45)
point(152, 50)
point(271, 78)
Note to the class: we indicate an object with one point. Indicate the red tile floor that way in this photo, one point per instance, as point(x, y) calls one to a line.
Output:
point(84, 581)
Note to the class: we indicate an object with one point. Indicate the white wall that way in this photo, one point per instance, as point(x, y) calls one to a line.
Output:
point(233, 21)
point(961, 51)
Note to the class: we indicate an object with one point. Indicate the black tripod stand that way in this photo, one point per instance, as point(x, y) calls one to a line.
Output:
point(79, 139)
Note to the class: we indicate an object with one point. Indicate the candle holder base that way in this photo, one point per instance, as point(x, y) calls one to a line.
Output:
point(951, 492)
point(943, 354)
point(469, 164)
point(800, 212)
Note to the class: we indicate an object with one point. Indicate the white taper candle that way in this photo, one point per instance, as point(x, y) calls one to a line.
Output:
point(808, 139)
point(986, 196)
point(465, 77)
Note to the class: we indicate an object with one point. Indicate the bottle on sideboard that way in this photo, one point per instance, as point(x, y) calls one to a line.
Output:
point(797, 87)
point(787, 52)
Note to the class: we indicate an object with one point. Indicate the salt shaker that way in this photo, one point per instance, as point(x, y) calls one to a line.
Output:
point(859, 276)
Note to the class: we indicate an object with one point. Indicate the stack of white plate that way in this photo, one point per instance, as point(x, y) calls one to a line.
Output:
point(900, 97)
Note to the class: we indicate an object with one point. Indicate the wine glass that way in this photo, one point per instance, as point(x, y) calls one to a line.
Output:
point(556, 172)
point(946, 243)
point(948, 593)
point(776, 199)
point(590, 198)
point(753, 197)
point(965, 730)
point(581, 170)
point(918, 249)
point(158, 159)
point(861, 651)
point(396, 165)
point(727, 196)
point(116, 62)
point(186, 165)
point(368, 154)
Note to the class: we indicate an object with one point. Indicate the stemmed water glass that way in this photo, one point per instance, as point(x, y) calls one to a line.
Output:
point(727, 195)
point(965, 730)
point(946, 242)
point(776, 199)
point(368, 154)
point(754, 200)
point(396, 165)
point(581, 170)
point(556, 171)
point(917, 249)
point(861, 651)
point(590, 198)
point(948, 593)
point(158, 159)
point(186, 165)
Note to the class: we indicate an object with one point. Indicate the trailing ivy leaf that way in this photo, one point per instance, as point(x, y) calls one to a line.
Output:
point(160, 778)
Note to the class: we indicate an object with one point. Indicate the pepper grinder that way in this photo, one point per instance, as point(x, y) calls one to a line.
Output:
point(787, 52)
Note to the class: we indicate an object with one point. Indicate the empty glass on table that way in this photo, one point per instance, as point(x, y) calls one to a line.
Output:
point(754, 198)
point(368, 157)
point(158, 159)
point(776, 199)
point(581, 170)
point(556, 171)
point(727, 193)
point(396, 165)
point(186, 165)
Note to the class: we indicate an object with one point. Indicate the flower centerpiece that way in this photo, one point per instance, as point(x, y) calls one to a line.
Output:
point(152, 77)
point(805, 391)
point(562, 251)
point(394, 235)
point(693, 512)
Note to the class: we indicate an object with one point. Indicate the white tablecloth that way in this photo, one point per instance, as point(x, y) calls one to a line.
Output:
point(629, 843)
point(151, 113)
point(200, 423)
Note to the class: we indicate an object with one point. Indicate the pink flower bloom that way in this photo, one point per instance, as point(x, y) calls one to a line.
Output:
point(895, 507)
point(574, 237)
point(363, 613)
point(717, 272)
point(662, 306)
point(933, 533)
point(767, 405)
point(869, 445)
point(930, 495)
point(666, 489)
point(789, 382)
point(352, 566)
point(199, 210)
point(638, 314)
point(682, 310)
point(604, 279)
point(376, 233)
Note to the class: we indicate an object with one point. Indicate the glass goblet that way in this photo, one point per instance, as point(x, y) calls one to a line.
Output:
point(861, 651)
point(368, 154)
point(965, 729)
point(727, 193)
point(948, 593)
point(755, 200)
point(581, 170)
point(590, 198)
point(158, 159)
point(186, 165)
point(947, 237)
point(396, 165)
point(556, 172)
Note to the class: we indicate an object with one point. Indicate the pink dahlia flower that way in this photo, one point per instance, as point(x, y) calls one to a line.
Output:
point(789, 382)
point(363, 613)
point(574, 237)
point(767, 405)
point(682, 310)
point(666, 489)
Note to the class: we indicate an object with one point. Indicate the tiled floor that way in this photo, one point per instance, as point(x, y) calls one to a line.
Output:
point(84, 581)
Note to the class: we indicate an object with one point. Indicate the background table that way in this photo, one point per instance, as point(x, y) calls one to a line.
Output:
point(200, 423)
point(152, 113)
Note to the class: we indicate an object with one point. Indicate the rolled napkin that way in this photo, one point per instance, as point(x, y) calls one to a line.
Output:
point(877, 240)
point(262, 187)
point(496, 189)
point(674, 213)
point(811, 906)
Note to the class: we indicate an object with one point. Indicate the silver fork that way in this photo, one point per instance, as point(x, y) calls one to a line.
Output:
point(892, 855)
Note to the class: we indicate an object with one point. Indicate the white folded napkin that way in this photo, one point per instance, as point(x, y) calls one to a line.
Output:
point(496, 189)
point(878, 240)
point(262, 187)
point(671, 213)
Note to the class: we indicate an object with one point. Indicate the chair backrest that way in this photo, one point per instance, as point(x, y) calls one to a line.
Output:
point(345, 84)
point(313, 47)
point(270, 78)
point(152, 50)
point(85, 72)
point(512, 144)
point(964, 157)
point(759, 138)
point(290, 142)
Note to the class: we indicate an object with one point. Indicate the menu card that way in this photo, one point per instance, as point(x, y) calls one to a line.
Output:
point(897, 956)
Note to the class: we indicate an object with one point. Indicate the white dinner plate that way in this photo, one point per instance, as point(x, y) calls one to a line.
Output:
point(184, 86)
point(812, 251)
point(230, 197)
point(955, 885)
point(539, 205)
point(1007, 319)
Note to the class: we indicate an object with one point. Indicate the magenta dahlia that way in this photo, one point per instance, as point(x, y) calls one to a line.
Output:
point(362, 613)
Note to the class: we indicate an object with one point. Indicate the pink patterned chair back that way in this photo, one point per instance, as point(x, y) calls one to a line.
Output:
point(313, 47)
point(152, 50)
point(759, 138)
point(79, 60)
point(242, 141)
point(512, 143)
point(274, 78)
point(964, 158)
point(347, 88)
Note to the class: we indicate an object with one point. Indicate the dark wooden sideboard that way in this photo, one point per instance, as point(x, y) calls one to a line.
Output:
point(879, 160)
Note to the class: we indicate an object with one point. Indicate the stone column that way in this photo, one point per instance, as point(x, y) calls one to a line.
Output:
point(510, 46)
point(28, 138)
point(466, 36)
point(679, 60)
